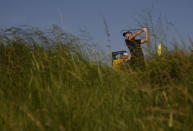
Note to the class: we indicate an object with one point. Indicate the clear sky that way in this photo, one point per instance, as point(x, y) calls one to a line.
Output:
point(74, 15)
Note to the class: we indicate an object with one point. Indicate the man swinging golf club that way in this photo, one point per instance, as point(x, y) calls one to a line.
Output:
point(134, 45)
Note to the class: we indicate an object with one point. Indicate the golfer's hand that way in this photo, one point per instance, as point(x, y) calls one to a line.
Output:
point(144, 29)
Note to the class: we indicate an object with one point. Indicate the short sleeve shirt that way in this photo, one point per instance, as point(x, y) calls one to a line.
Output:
point(134, 47)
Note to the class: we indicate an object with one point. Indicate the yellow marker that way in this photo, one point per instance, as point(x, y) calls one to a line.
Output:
point(130, 57)
point(159, 49)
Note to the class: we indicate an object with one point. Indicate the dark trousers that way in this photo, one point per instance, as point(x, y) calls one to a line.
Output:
point(137, 62)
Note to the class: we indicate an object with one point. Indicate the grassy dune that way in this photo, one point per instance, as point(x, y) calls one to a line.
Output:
point(56, 88)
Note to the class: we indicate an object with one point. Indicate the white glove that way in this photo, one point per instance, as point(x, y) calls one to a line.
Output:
point(145, 29)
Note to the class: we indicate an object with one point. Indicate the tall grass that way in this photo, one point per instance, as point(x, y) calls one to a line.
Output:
point(57, 87)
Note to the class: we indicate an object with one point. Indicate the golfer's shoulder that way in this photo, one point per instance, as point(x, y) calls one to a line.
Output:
point(138, 40)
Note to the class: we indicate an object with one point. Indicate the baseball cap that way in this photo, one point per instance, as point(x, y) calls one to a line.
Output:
point(125, 54)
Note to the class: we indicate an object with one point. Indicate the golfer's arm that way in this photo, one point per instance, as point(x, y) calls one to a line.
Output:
point(136, 34)
point(146, 37)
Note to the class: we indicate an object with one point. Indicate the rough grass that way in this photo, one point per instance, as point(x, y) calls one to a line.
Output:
point(54, 88)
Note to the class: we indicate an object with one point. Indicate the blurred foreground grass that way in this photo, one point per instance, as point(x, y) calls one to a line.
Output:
point(56, 88)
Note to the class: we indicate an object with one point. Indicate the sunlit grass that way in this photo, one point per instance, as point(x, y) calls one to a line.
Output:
point(56, 87)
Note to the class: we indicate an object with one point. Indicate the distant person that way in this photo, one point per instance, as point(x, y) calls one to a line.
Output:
point(134, 45)
point(125, 58)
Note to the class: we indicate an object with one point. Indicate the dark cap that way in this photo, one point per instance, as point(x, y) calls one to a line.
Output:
point(126, 33)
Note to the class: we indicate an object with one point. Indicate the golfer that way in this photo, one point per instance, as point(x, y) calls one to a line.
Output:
point(134, 45)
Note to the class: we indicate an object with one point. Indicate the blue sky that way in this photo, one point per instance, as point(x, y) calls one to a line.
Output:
point(74, 15)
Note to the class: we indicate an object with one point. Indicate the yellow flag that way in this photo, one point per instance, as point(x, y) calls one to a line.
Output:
point(159, 50)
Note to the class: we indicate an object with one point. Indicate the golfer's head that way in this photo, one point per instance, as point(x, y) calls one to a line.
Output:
point(127, 34)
